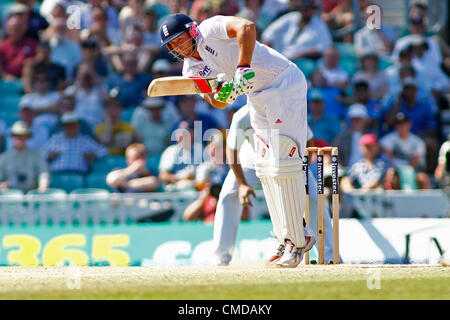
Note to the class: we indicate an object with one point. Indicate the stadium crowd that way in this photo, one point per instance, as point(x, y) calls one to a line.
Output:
point(74, 76)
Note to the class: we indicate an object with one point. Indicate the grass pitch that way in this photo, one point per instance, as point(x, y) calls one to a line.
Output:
point(228, 283)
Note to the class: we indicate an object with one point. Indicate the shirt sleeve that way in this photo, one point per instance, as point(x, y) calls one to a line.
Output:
point(166, 162)
point(98, 149)
point(238, 129)
point(445, 148)
point(215, 27)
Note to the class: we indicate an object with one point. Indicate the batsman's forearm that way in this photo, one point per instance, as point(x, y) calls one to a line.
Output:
point(246, 38)
point(235, 166)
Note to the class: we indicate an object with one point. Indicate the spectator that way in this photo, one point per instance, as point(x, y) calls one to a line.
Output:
point(33, 21)
point(377, 79)
point(331, 94)
point(348, 140)
point(39, 130)
point(253, 11)
point(204, 207)
point(89, 95)
point(133, 42)
point(15, 49)
point(176, 167)
point(407, 70)
point(42, 100)
point(442, 171)
point(71, 151)
point(335, 76)
point(67, 104)
point(369, 172)
point(404, 148)
point(135, 177)
point(131, 14)
point(376, 40)
point(87, 14)
point(131, 85)
point(65, 52)
point(324, 125)
point(151, 30)
point(60, 11)
point(188, 112)
point(361, 94)
point(115, 133)
point(93, 57)
point(21, 167)
point(203, 9)
point(337, 14)
point(151, 127)
point(421, 115)
point(41, 64)
point(428, 62)
point(101, 30)
point(213, 169)
point(299, 34)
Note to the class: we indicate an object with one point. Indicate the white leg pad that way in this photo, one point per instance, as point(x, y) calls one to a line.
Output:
point(262, 171)
point(282, 177)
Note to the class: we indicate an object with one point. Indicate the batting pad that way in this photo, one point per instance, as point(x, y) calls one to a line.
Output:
point(280, 169)
point(262, 172)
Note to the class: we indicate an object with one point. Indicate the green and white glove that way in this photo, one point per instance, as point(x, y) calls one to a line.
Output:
point(242, 83)
point(244, 78)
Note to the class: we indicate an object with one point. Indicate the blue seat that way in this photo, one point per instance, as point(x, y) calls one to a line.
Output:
point(347, 50)
point(349, 65)
point(153, 163)
point(11, 88)
point(108, 163)
point(306, 65)
point(127, 114)
point(97, 180)
point(67, 181)
point(10, 103)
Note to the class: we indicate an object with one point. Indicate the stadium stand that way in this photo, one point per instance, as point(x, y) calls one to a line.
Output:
point(82, 199)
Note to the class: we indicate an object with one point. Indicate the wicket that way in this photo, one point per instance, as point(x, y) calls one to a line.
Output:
point(320, 199)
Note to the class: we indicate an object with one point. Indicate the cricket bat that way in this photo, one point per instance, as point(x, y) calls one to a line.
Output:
point(178, 85)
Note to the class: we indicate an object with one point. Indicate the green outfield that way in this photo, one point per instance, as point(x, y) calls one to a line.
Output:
point(234, 282)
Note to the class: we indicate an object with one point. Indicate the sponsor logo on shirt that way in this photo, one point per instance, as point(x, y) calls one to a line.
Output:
point(204, 72)
point(211, 50)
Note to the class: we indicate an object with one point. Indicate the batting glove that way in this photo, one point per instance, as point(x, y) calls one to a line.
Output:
point(244, 78)
point(242, 83)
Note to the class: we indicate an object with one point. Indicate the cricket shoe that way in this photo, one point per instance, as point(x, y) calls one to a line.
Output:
point(292, 255)
point(277, 255)
point(223, 260)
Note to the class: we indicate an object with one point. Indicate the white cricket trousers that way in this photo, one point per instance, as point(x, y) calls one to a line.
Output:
point(229, 210)
point(281, 108)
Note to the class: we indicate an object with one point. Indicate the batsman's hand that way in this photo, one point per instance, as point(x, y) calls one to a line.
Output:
point(245, 192)
point(244, 78)
point(242, 83)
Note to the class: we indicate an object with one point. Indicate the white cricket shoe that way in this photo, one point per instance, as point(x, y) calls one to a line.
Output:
point(292, 255)
point(277, 254)
point(223, 260)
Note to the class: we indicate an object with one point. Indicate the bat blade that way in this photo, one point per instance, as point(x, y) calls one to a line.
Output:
point(177, 85)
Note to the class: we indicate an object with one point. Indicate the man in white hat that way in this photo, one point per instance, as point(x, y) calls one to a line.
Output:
point(154, 124)
point(70, 150)
point(21, 167)
point(348, 140)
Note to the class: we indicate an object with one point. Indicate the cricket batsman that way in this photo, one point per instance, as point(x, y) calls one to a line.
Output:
point(239, 145)
point(276, 95)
